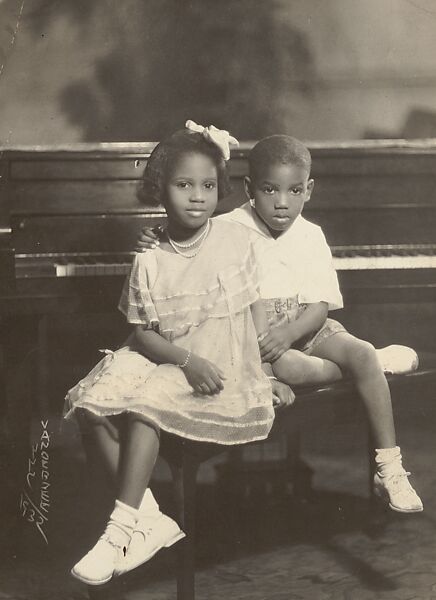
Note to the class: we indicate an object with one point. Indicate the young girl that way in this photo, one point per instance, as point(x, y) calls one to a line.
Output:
point(299, 286)
point(192, 365)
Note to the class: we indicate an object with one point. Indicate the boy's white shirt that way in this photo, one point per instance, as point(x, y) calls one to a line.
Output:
point(297, 263)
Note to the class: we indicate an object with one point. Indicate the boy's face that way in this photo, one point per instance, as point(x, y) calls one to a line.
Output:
point(279, 193)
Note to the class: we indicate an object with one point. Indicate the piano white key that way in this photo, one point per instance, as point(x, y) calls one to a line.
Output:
point(89, 270)
point(61, 270)
point(70, 270)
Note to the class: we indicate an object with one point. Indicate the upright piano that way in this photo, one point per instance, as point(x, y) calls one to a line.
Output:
point(69, 218)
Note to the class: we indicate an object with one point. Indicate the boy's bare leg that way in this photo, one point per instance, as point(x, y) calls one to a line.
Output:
point(296, 368)
point(359, 358)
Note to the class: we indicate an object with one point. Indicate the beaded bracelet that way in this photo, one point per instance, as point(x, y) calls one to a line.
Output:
point(185, 362)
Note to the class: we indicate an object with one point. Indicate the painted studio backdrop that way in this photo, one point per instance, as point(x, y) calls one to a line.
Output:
point(99, 70)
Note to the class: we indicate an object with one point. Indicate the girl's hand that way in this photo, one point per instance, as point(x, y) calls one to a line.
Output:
point(282, 394)
point(275, 343)
point(147, 240)
point(203, 376)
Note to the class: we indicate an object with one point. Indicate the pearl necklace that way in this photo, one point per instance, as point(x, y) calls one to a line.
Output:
point(176, 245)
point(197, 239)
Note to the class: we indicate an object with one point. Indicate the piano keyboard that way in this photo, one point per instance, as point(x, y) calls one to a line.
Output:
point(93, 269)
point(345, 258)
point(405, 256)
point(80, 264)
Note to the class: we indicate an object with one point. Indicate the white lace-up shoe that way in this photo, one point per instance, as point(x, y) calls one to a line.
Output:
point(98, 565)
point(396, 359)
point(149, 536)
point(396, 490)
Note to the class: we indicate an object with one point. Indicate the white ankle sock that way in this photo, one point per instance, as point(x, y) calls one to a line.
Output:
point(388, 461)
point(149, 507)
point(121, 523)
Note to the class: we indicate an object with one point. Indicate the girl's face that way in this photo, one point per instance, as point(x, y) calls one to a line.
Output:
point(279, 194)
point(191, 191)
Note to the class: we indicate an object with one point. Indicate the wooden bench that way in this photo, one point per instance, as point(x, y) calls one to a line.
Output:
point(184, 457)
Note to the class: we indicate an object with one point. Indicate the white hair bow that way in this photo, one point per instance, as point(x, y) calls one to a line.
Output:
point(219, 137)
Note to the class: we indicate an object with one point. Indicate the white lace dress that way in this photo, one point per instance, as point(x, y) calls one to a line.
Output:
point(201, 304)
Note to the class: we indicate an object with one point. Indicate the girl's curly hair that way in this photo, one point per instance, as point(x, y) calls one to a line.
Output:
point(164, 157)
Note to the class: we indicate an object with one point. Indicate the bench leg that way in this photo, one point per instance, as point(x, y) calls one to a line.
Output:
point(300, 471)
point(184, 482)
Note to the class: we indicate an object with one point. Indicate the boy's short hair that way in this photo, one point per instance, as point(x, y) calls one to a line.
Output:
point(165, 156)
point(282, 149)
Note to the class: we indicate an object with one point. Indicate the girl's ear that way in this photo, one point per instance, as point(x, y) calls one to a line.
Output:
point(310, 186)
point(248, 187)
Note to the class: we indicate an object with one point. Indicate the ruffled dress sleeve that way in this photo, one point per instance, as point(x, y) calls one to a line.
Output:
point(240, 282)
point(136, 302)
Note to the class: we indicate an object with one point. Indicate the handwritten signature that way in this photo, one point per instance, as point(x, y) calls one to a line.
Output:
point(35, 497)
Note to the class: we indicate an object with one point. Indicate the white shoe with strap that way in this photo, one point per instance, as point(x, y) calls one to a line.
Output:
point(397, 359)
point(396, 490)
point(98, 565)
point(391, 482)
point(149, 536)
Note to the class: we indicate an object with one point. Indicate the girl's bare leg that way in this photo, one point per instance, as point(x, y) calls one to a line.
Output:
point(101, 440)
point(296, 368)
point(360, 360)
point(138, 457)
point(139, 449)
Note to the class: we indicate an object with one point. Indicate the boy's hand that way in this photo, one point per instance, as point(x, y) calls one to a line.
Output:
point(275, 343)
point(203, 376)
point(282, 394)
point(147, 240)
